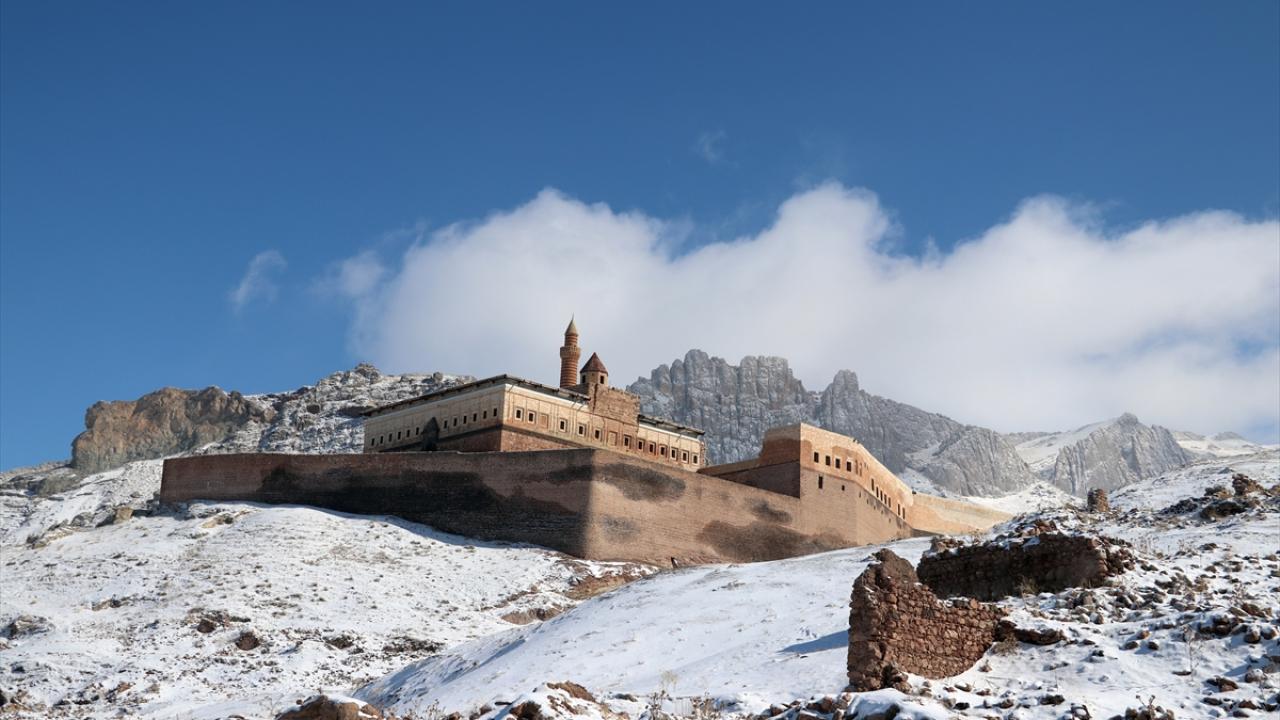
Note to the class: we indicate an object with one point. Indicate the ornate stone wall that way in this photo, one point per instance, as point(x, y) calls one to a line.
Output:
point(897, 625)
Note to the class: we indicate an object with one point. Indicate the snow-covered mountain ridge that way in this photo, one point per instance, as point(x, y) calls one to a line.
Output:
point(734, 404)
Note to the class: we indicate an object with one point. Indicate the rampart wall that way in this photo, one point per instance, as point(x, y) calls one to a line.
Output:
point(590, 503)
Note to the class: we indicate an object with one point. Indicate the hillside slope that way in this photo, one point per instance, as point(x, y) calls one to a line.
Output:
point(753, 635)
point(146, 615)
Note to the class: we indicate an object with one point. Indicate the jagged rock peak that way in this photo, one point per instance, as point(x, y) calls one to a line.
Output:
point(1117, 454)
point(736, 404)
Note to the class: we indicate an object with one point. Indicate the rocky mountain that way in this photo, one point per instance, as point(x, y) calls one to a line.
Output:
point(164, 422)
point(324, 417)
point(735, 404)
point(1116, 454)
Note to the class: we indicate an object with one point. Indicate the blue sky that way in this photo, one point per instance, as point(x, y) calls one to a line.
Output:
point(149, 152)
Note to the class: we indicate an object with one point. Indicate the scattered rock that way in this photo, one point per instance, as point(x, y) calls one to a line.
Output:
point(25, 625)
point(322, 707)
point(248, 641)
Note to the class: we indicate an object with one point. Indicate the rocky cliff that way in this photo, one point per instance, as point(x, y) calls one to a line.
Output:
point(736, 404)
point(161, 423)
point(1116, 454)
point(324, 417)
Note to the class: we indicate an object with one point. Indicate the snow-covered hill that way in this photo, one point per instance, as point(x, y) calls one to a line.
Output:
point(754, 635)
point(148, 616)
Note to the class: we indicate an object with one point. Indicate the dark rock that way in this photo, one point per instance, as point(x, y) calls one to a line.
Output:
point(248, 641)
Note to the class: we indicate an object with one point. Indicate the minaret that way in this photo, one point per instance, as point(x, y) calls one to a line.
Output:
point(569, 355)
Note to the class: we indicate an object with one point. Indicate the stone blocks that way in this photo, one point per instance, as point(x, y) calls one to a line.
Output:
point(897, 625)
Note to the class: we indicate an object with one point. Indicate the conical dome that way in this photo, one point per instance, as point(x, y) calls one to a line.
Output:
point(594, 364)
point(572, 329)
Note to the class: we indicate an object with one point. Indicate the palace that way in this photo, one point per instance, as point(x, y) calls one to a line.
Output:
point(580, 469)
point(507, 413)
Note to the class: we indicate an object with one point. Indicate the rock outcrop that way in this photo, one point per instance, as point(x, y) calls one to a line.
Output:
point(325, 417)
point(735, 404)
point(161, 423)
point(1117, 454)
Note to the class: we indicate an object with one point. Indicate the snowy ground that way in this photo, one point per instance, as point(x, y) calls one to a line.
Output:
point(108, 619)
point(753, 635)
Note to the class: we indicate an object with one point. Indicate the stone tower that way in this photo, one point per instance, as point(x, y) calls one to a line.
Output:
point(594, 373)
point(569, 355)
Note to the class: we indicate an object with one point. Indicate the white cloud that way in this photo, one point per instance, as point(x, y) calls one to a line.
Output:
point(710, 146)
point(257, 282)
point(1048, 320)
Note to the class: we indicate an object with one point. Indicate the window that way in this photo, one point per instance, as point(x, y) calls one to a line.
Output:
point(417, 431)
point(519, 414)
point(819, 482)
point(532, 416)
point(397, 434)
point(652, 448)
point(563, 425)
point(597, 433)
point(841, 487)
point(484, 415)
point(828, 461)
point(837, 463)
point(464, 419)
point(662, 451)
point(626, 441)
point(495, 412)
point(684, 456)
point(582, 429)
point(695, 459)
point(815, 457)
point(473, 417)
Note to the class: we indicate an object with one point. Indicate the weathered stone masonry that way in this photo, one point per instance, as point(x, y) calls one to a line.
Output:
point(896, 626)
point(1048, 562)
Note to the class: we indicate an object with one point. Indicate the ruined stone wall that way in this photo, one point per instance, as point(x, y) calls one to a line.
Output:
point(1048, 562)
point(590, 503)
point(897, 625)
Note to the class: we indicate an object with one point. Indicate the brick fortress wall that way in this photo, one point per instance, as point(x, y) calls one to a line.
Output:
point(897, 625)
point(590, 503)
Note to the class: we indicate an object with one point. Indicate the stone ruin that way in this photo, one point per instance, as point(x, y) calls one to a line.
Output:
point(1047, 561)
point(1218, 502)
point(897, 625)
point(1097, 501)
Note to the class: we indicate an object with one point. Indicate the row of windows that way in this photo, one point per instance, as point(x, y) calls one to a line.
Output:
point(596, 434)
point(417, 430)
point(880, 495)
point(854, 466)
point(531, 416)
